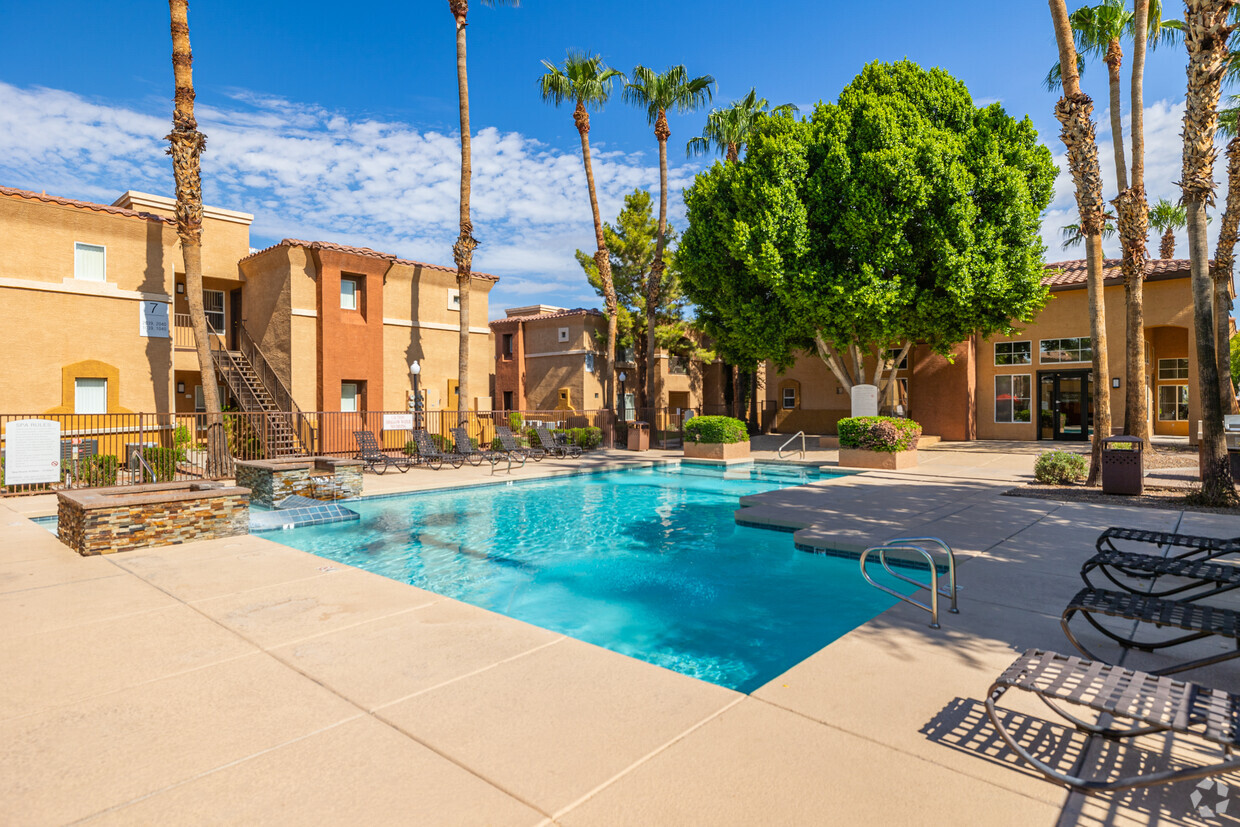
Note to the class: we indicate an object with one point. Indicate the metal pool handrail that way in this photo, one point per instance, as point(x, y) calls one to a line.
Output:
point(801, 434)
point(914, 544)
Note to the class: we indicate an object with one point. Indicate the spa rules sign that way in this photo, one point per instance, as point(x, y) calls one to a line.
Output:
point(31, 451)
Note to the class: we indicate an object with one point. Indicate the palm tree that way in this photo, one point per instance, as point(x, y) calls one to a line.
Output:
point(1225, 259)
point(657, 93)
point(186, 145)
point(1206, 34)
point(1166, 218)
point(1074, 111)
point(463, 249)
point(1073, 237)
point(587, 81)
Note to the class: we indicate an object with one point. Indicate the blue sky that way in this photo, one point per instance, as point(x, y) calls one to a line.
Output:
point(338, 121)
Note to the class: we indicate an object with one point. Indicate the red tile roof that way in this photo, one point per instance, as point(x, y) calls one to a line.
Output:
point(365, 252)
point(557, 314)
point(84, 205)
point(1066, 274)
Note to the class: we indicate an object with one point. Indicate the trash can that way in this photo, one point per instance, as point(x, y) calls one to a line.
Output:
point(1123, 465)
point(639, 436)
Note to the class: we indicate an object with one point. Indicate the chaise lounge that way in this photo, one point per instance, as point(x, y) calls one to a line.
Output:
point(369, 452)
point(430, 455)
point(513, 447)
point(555, 446)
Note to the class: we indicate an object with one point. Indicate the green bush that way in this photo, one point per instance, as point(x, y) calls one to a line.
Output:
point(1060, 468)
point(163, 462)
point(586, 438)
point(98, 469)
point(411, 448)
point(879, 433)
point(181, 437)
point(716, 429)
point(516, 421)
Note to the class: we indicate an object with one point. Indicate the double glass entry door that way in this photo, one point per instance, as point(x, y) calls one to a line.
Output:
point(1065, 404)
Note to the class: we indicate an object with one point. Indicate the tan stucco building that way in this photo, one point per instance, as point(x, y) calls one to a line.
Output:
point(1034, 384)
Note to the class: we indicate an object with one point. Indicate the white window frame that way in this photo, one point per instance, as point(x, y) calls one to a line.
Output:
point(1028, 377)
point(1012, 353)
point(1180, 391)
point(590, 362)
point(208, 312)
point(790, 389)
point(84, 406)
point(82, 246)
point(200, 399)
point(454, 299)
point(355, 287)
point(1077, 339)
point(1174, 374)
point(353, 398)
point(562, 334)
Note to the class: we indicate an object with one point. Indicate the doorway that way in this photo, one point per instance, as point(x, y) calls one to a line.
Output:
point(234, 329)
point(1065, 405)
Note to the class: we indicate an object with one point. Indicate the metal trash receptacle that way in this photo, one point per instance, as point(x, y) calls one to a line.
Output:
point(639, 436)
point(1123, 465)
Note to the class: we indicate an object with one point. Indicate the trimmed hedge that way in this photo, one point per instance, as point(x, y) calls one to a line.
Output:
point(713, 430)
point(163, 462)
point(1060, 468)
point(879, 433)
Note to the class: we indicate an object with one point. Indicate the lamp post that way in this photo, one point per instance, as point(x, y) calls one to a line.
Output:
point(416, 406)
point(622, 377)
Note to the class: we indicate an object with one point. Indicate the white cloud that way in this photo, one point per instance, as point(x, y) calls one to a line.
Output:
point(308, 172)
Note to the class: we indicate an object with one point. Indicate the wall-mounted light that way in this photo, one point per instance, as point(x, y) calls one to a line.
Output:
point(1115, 382)
point(180, 387)
point(180, 287)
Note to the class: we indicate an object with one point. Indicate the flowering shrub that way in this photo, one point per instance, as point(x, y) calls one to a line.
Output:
point(879, 433)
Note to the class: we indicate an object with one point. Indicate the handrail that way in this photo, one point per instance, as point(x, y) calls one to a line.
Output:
point(912, 544)
point(801, 434)
point(136, 454)
point(279, 391)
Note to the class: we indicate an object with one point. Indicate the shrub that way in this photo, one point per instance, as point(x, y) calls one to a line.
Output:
point(181, 437)
point(163, 462)
point(586, 438)
point(411, 448)
point(879, 433)
point(716, 429)
point(516, 421)
point(98, 469)
point(1059, 468)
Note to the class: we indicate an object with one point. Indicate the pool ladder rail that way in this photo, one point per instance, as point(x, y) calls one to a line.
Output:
point(917, 545)
point(780, 453)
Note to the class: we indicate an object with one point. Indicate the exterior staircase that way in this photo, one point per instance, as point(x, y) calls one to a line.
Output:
point(282, 429)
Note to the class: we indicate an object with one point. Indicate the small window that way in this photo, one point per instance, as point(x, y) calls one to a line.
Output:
point(1172, 403)
point(893, 354)
point(348, 397)
point(90, 396)
point(1013, 395)
point(507, 345)
point(1014, 353)
point(790, 398)
point(89, 262)
point(200, 401)
point(678, 366)
point(1172, 368)
point(213, 304)
point(563, 334)
point(1066, 350)
point(349, 288)
point(589, 363)
point(454, 299)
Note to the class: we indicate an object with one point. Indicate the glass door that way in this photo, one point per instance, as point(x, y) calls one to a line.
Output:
point(1065, 405)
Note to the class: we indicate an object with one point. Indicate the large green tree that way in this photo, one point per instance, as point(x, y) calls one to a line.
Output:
point(901, 214)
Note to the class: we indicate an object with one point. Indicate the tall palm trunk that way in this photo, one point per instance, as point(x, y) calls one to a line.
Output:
point(1206, 33)
point(463, 249)
point(1166, 248)
point(1074, 111)
point(602, 259)
point(1132, 217)
point(186, 148)
point(1114, 59)
point(1224, 261)
point(655, 283)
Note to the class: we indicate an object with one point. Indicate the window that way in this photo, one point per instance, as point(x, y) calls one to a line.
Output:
point(1172, 368)
point(349, 397)
point(1066, 350)
point(678, 366)
point(90, 396)
point(892, 355)
point(200, 401)
point(349, 288)
point(1172, 402)
point(454, 299)
point(507, 345)
point(213, 304)
point(589, 363)
point(790, 398)
point(1012, 398)
point(89, 262)
point(563, 335)
point(1015, 353)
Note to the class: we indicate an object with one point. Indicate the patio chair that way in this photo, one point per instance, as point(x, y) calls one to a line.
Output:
point(555, 446)
point(1143, 574)
point(515, 448)
point(1152, 704)
point(1199, 621)
point(474, 456)
point(430, 454)
point(1201, 548)
point(369, 452)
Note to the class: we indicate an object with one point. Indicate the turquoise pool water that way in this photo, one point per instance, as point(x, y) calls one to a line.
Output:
point(649, 563)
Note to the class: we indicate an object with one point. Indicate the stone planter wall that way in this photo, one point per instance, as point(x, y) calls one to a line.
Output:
point(877, 460)
point(716, 450)
point(123, 518)
point(320, 478)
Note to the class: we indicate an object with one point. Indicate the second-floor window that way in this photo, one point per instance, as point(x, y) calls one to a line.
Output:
point(1013, 353)
point(89, 262)
point(349, 294)
point(507, 345)
point(1169, 369)
point(213, 304)
point(1066, 350)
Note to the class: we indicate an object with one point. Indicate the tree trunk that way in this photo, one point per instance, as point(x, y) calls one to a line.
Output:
point(1102, 369)
point(655, 282)
point(1114, 57)
point(602, 260)
point(463, 249)
point(754, 425)
point(186, 148)
point(1224, 262)
point(1206, 33)
point(1167, 248)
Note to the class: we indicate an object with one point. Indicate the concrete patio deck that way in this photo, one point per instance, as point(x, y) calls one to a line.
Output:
point(241, 681)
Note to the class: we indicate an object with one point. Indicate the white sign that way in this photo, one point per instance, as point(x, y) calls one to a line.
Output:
point(865, 400)
point(31, 451)
point(153, 319)
point(398, 422)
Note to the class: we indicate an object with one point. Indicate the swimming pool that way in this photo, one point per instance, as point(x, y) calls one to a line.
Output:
point(649, 563)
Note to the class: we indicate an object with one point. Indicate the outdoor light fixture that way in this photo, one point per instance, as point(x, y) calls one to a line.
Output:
point(1115, 382)
point(180, 387)
point(180, 287)
point(622, 377)
point(415, 370)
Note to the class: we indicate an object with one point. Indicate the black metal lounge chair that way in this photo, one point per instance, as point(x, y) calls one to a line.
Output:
point(369, 452)
point(1198, 620)
point(515, 448)
point(430, 455)
point(555, 446)
point(1142, 574)
point(1201, 548)
point(1151, 703)
point(474, 456)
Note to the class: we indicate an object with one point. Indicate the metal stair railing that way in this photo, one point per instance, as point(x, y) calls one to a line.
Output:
point(917, 544)
point(780, 453)
point(302, 430)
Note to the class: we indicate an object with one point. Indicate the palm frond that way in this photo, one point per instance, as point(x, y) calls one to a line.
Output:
point(583, 78)
point(1053, 82)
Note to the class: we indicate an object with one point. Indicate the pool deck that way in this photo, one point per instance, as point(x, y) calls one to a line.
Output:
point(241, 681)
